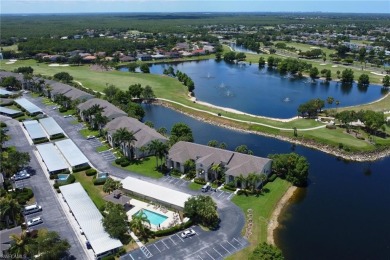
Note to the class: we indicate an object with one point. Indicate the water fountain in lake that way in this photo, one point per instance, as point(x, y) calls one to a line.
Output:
point(286, 99)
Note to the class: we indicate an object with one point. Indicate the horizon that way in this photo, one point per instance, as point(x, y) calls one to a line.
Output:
point(30, 7)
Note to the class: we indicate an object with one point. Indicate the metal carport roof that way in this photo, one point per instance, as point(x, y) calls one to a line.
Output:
point(30, 107)
point(34, 129)
point(89, 218)
point(51, 127)
point(52, 157)
point(71, 152)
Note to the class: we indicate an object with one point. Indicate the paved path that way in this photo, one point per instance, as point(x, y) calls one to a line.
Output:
point(239, 120)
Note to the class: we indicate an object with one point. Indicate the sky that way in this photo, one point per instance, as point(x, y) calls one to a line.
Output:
point(96, 6)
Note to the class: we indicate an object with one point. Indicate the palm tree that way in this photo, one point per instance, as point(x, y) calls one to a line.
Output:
point(21, 244)
point(159, 149)
point(48, 89)
point(241, 179)
point(124, 136)
point(137, 224)
point(10, 210)
point(216, 168)
point(99, 121)
point(253, 178)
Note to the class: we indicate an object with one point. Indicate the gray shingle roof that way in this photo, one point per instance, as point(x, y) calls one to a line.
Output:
point(109, 110)
point(235, 163)
point(143, 133)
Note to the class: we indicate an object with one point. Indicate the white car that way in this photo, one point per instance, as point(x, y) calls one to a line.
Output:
point(66, 116)
point(20, 175)
point(34, 221)
point(188, 233)
point(54, 108)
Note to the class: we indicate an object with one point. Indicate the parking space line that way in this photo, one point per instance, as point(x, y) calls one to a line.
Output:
point(217, 252)
point(131, 257)
point(237, 241)
point(225, 248)
point(231, 245)
point(165, 244)
point(157, 248)
point(220, 194)
point(172, 241)
point(210, 255)
point(180, 238)
point(230, 196)
point(200, 257)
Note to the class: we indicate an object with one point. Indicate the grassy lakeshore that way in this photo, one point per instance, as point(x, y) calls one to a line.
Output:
point(172, 90)
point(262, 207)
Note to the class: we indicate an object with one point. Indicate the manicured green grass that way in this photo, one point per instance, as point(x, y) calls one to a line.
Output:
point(74, 122)
point(195, 186)
point(102, 148)
point(69, 112)
point(86, 132)
point(262, 208)
point(145, 167)
point(95, 192)
point(48, 102)
point(13, 47)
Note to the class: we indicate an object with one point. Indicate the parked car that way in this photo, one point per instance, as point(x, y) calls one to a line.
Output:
point(20, 175)
point(32, 209)
point(66, 116)
point(188, 233)
point(54, 108)
point(205, 188)
point(90, 137)
point(88, 245)
point(34, 222)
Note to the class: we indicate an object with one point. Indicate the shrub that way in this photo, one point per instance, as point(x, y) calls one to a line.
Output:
point(228, 187)
point(175, 172)
point(53, 176)
point(23, 195)
point(172, 230)
point(272, 177)
point(3, 124)
point(120, 252)
point(79, 169)
point(56, 185)
point(90, 172)
point(62, 109)
point(199, 181)
point(125, 163)
point(122, 160)
point(99, 181)
point(109, 257)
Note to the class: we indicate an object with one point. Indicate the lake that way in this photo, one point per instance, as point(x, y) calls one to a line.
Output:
point(261, 91)
point(343, 214)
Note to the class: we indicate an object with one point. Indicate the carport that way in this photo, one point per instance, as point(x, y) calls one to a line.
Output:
point(90, 220)
point(72, 154)
point(52, 128)
point(35, 131)
point(52, 158)
point(171, 198)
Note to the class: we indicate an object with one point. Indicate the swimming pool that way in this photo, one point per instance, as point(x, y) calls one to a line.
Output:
point(63, 177)
point(154, 218)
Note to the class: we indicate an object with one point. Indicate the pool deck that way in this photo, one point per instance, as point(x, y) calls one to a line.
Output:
point(173, 218)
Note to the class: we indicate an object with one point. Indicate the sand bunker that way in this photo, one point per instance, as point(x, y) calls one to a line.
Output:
point(334, 66)
point(54, 65)
point(322, 64)
point(10, 62)
point(13, 60)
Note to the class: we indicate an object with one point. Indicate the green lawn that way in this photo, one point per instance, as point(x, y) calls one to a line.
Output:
point(262, 207)
point(69, 112)
point(195, 186)
point(145, 167)
point(95, 192)
point(10, 48)
point(86, 132)
point(48, 102)
point(102, 148)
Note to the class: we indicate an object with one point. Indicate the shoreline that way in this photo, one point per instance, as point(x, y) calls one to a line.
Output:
point(273, 223)
point(359, 157)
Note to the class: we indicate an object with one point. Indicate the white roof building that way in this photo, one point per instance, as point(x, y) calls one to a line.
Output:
point(89, 218)
point(155, 192)
point(52, 158)
point(72, 153)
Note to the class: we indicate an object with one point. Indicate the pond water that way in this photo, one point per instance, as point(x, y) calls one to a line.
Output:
point(343, 214)
point(261, 91)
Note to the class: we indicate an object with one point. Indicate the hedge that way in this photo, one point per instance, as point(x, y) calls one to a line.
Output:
point(2, 124)
point(62, 109)
point(90, 172)
point(230, 188)
point(79, 169)
point(109, 257)
point(172, 230)
point(53, 176)
point(99, 181)
point(125, 163)
point(199, 181)
point(22, 195)
point(43, 140)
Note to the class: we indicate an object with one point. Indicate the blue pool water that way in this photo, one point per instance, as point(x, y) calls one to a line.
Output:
point(154, 218)
point(63, 177)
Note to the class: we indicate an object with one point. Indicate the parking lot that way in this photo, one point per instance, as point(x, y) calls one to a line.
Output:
point(220, 194)
point(175, 181)
point(175, 247)
point(94, 142)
